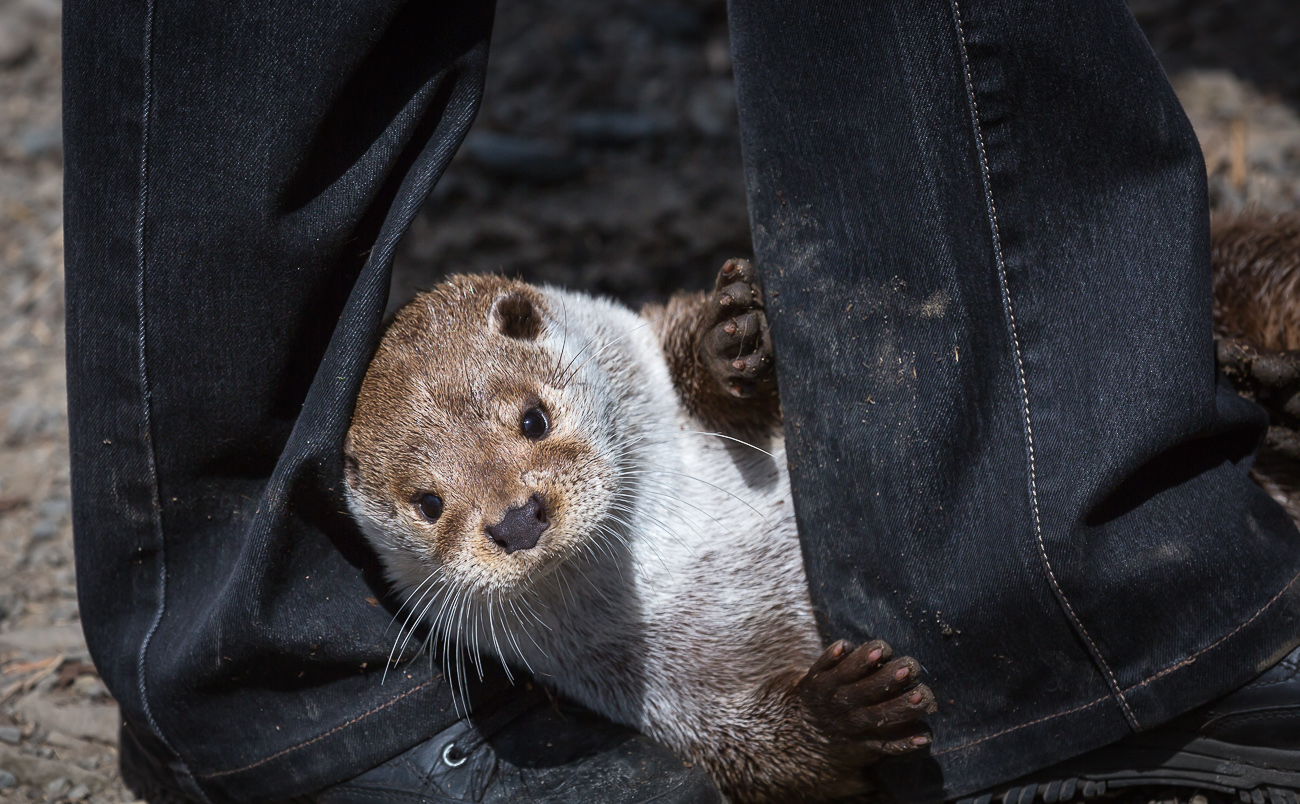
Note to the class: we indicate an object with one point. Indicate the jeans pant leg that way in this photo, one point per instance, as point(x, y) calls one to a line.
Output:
point(982, 227)
point(237, 177)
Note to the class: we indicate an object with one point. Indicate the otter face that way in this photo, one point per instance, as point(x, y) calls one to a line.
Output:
point(474, 455)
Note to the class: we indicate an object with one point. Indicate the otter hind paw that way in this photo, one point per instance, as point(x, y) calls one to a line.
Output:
point(736, 348)
point(867, 698)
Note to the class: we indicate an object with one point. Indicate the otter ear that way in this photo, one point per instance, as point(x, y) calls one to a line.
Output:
point(514, 316)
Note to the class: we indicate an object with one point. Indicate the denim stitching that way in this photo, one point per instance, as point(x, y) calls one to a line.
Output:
point(323, 735)
point(964, 746)
point(1020, 370)
point(1184, 663)
point(1192, 658)
point(146, 115)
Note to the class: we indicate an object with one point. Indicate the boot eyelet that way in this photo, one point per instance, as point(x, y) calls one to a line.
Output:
point(453, 758)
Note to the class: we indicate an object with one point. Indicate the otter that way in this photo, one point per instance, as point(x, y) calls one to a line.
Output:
point(1256, 262)
point(600, 498)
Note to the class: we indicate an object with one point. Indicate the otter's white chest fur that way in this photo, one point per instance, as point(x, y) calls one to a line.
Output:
point(693, 589)
point(709, 596)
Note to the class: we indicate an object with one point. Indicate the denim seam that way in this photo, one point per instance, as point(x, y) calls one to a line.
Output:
point(995, 735)
point(1178, 666)
point(1020, 371)
point(1192, 657)
point(324, 734)
point(146, 116)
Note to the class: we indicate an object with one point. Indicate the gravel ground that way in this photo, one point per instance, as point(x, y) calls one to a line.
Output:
point(605, 158)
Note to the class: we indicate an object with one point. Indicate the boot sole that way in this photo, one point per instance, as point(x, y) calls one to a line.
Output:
point(1252, 774)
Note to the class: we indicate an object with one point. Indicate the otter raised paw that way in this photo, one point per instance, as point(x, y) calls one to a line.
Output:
point(734, 346)
point(720, 353)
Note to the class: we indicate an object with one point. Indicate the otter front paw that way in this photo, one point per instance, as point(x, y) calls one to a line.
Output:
point(735, 347)
point(867, 699)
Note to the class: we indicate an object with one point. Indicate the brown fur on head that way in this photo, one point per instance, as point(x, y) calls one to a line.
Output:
point(440, 413)
point(1257, 279)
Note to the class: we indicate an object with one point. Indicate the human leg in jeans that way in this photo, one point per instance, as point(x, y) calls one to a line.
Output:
point(1015, 188)
point(983, 231)
point(237, 178)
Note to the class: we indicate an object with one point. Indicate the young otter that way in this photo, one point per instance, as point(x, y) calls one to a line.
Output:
point(551, 478)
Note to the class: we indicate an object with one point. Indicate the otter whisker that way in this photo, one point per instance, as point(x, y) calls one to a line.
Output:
point(473, 640)
point(407, 600)
point(400, 631)
point(562, 577)
point(553, 374)
point(657, 490)
point(532, 611)
point(726, 437)
point(527, 632)
point(607, 531)
point(511, 636)
point(450, 643)
point(665, 496)
point(492, 630)
point(398, 652)
point(707, 483)
point(669, 531)
point(570, 375)
point(593, 585)
point(462, 645)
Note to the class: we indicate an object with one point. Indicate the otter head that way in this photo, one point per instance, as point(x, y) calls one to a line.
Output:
point(475, 456)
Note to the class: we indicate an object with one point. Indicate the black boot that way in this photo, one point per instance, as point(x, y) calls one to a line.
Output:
point(531, 751)
point(1246, 744)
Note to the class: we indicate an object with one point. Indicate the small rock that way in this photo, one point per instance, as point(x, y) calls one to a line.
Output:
point(11, 735)
point(38, 142)
point(92, 722)
point(58, 739)
point(27, 420)
point(57, 788)
point(7, 780)
point(1199, 799)
point(38, 772)
point(45, 530)
point(541, 161)
point(15, 40)
point(55, 508)
point(90, 687)
point(615, 128)
point(78, 793)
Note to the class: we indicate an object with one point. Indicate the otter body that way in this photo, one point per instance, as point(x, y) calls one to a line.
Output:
point(601, 498)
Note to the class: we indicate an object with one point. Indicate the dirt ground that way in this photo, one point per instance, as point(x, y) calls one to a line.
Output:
point(605, 158)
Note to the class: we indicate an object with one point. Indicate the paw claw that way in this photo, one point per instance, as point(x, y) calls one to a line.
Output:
point(735, 346)
point(865, 694)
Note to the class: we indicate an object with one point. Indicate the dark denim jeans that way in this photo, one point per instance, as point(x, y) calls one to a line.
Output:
point(983, 230)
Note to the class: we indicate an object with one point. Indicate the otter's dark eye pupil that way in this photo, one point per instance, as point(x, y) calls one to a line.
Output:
point(431, 506)
point(535, 424)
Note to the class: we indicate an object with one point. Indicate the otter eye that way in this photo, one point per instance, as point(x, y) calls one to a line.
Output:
point(430, 506)
point(535, 424)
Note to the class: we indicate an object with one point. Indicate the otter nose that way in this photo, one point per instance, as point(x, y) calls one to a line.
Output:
point(522, 526)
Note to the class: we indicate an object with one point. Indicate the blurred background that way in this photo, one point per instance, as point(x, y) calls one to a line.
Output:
point(605, 157)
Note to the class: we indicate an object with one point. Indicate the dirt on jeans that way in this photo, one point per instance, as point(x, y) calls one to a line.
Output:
point(605, 158)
